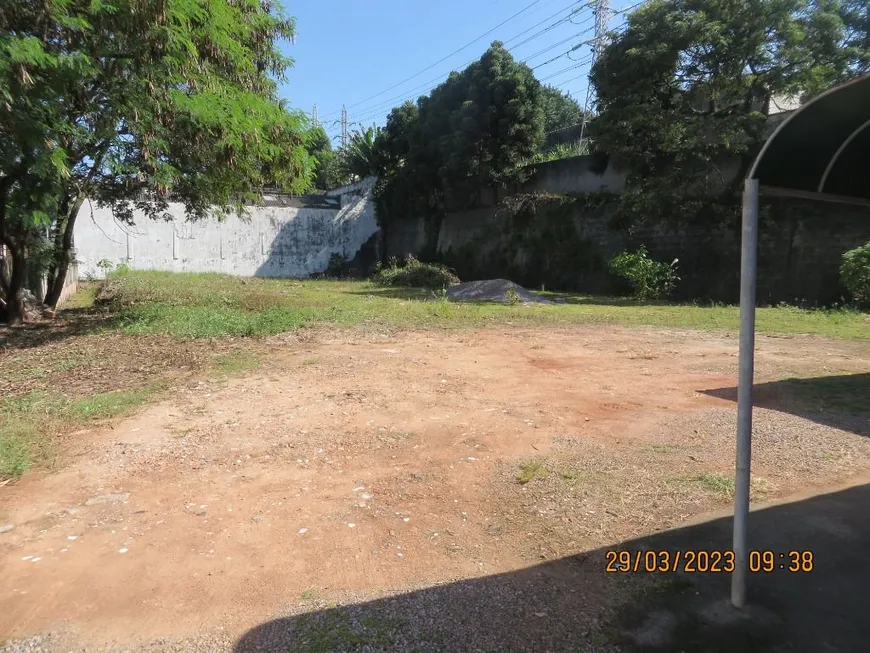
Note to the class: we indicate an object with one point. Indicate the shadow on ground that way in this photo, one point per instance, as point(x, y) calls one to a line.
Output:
point(557, 606)
point(840, 401)
point(71, 323)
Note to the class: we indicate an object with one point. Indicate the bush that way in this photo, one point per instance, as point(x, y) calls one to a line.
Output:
point(649, 279)
point(414, 273)
point(855, 273)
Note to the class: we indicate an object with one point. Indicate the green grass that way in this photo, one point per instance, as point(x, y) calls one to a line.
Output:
point(718, 484)
point(30, 423)
point(530, 470)
point(110, 404)
point(233, 364)
point(212, 305)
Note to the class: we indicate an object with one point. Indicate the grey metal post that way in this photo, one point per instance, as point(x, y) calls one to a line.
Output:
point(748, 274)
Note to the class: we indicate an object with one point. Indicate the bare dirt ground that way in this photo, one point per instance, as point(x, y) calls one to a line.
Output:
point(349, 468)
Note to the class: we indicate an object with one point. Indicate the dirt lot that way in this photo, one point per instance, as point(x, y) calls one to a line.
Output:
point(348, 468)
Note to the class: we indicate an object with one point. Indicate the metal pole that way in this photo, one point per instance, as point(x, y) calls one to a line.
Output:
point(748, 274)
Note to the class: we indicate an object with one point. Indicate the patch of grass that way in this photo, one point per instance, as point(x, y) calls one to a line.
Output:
point(718, 484)
point(310, 361)
point(83, 298)
point(14, 453)
point(110, 404)
point(27, 423)
point(664, 448)
point(530, 470)
point(211, 305)
point(30, 423)
point(309, 595)
point(232, 364)
point(572, 475)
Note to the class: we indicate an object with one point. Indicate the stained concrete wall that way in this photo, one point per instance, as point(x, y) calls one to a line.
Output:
point(273, 241)
point(575, 176)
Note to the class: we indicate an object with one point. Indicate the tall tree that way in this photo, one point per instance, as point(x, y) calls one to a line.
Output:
point(472, 131)
point(561, 111)
point(329, 165)
point(133, 103)
point(689, 84)
point(359, 158)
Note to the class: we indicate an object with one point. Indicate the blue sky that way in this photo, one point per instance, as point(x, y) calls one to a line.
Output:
point(360, 53)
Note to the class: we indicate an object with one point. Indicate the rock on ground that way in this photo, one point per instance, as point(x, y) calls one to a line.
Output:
point(492, 290)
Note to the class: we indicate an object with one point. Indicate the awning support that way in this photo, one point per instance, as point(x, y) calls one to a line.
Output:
point(748, 275)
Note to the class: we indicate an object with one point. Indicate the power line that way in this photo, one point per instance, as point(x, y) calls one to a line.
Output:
point(443, 59)
point(546, 29)
point(430, 83)
point(555, 45)
point(565, 70)
point(600, 17)
point(549, 61)
point(376, 109)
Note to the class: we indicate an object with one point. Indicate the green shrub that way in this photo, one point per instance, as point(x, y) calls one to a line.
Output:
point(415, 274)
point(855, 273)
point(649, 279)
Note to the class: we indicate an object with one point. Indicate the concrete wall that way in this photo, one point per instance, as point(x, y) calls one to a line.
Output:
point(565, 245)
point(574, 176)
point(274, 241)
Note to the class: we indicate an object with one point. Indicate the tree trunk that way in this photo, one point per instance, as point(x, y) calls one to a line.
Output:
point(63, 242)
point(15, 292)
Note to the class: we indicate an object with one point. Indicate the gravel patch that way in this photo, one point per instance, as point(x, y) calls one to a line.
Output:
point(492, 290)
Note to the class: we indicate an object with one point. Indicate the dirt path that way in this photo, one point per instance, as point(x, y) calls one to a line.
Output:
point(349, 469)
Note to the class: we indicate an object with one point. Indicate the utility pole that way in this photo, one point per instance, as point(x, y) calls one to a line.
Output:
point(601, 11)
point(343, 126)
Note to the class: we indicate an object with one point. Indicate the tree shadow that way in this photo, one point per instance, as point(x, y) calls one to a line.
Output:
point(839, 401)
point(70, 323)
point(559, 605)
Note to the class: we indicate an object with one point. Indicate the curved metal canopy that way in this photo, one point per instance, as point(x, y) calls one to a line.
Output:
point(822, 147)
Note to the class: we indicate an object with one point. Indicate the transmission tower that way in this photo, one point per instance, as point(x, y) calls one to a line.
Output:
point(343, 126)
point(314, 119)
point(601, 11)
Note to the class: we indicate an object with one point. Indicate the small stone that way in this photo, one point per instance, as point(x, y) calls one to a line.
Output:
point(7, 528)
point(26, 557)
point(302, 531)
point(122, 550)
point(351, 525)
point(406, 519)
point(71, 537)
point(119, 497)
point(36, 559)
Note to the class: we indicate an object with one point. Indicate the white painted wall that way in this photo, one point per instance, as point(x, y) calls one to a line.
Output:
point(271, 242)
